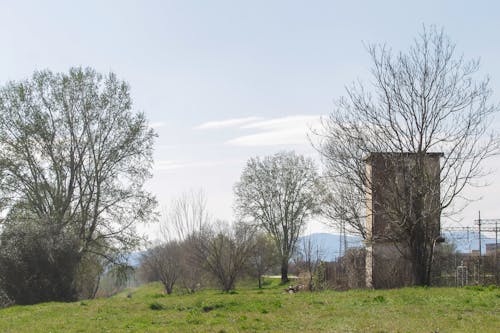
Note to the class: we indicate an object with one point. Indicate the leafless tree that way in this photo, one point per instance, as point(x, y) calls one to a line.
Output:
point(186, 215)
point(163, 262)
point(278, 193)
point(427, 100)
point(181, 221)
point(308, 259)
point(344, 206)
point(224, 250)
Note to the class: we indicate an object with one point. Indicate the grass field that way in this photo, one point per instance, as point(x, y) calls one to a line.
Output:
point(147, 309)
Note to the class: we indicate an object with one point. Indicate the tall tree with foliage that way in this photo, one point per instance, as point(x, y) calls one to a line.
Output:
point(279, 193)
point(73, 161)
point(427, 100)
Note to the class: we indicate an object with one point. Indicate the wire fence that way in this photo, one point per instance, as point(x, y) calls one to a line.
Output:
point(470, 256)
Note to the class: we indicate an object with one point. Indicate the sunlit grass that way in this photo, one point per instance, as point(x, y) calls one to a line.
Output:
point(148, 309)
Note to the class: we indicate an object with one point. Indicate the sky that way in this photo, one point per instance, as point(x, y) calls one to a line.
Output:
point(223, 81)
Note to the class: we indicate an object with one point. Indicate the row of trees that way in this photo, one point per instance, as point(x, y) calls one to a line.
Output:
point(195, 250)
point(74, 157)
point(424, 101)
point(215, 252)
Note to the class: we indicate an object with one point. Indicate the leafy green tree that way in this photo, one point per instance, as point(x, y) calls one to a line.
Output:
point(263, 256)
point(76, 156)
point(278, 193)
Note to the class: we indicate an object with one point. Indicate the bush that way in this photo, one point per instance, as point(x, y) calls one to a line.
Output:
point(156, 306)
point(37, 266)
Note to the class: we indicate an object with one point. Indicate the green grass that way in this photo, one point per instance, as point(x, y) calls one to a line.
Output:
point(150, 310)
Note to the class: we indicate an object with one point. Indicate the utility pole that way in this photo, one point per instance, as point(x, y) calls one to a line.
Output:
point(345, 240)
point(488, 226)
point(480, 253)
point(496, 253)
point(341, 238)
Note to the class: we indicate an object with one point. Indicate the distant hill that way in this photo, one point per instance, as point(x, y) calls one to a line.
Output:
point(329, 244)
point(134, 258)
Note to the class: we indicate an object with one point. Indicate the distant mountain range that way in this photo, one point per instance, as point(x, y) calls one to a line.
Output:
point(331, 245)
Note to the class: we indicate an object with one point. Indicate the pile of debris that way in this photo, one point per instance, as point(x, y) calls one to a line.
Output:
point(294, 289)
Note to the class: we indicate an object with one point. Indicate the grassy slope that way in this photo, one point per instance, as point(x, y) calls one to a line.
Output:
point(403, 310)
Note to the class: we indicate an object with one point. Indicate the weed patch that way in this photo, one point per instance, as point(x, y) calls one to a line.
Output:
point(208, 308)
point(379, 299)
point(156, 306)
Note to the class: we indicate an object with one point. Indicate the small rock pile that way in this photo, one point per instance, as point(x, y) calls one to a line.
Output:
point(294, 289)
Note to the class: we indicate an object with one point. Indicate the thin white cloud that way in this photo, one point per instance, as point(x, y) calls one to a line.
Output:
point(292, 136)
point(235, 122)
point(284, 122)
point(291, 130)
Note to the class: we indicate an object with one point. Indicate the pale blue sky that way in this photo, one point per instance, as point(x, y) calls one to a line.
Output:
point(276, 64)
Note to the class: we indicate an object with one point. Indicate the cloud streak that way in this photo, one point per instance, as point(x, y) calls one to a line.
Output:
point(290, 136)
point(289, 130)
point(298, 121)
point(227, 123)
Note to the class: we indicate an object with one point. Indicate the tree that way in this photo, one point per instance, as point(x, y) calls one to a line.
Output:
point(263, 257)
point(424, 101)
point(74, 158)
point(278, 193)
point(308, 259)
point(163, 262)
point(183, 219)
point(35, 265)
point(186, 215)
point(224, 252)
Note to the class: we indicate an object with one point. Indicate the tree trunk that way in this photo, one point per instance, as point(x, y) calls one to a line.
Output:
point(96, 286)
point(420, 257)
point(169, 287)
point(420, 270)
point(284, 271)
point(420, 230)
point(260, 281)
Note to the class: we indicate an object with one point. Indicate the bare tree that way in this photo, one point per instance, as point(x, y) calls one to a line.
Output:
point(425, 101)
point(75, 157)
point(224, 252)
point(181, 221)
point(185, 216)
point(308, 259)
point(163, 262)
point(344, 205)
point(278, 193)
